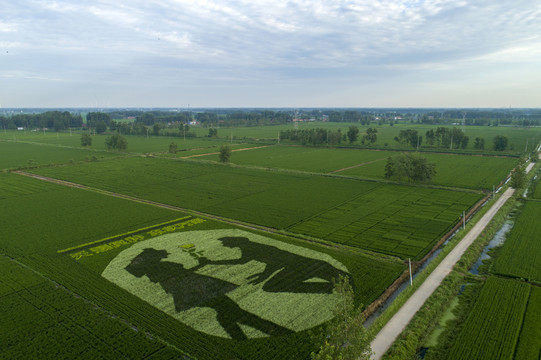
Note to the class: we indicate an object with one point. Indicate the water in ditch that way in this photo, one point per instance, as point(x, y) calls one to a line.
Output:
point(497, 240)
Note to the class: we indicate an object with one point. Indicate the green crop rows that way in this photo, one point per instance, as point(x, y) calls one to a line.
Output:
point(17, 154)
point(520, 255)
point(83, 216)
point(397, 220)
point(401, 220)
point(453, 170)
point(321, 160)
point(87, 217)
point(41, 320)
point(529, 343)
point(492, 329)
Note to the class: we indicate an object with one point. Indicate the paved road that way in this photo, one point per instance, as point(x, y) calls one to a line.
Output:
point(398, 322)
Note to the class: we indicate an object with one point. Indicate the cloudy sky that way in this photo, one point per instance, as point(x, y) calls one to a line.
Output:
point(270, 53)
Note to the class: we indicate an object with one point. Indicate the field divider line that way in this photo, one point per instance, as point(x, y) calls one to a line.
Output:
point(217, 152)
point(355, 166)
point(396, 325)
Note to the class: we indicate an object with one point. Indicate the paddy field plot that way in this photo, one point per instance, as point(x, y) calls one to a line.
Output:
point(492, 329)
point(454, 170)
point(520, 255)
point(76, 235)
point(18, 154)
point(42, 320)
point(40, 217)
point(136, 143)
point(462, 171)
point(401, 220)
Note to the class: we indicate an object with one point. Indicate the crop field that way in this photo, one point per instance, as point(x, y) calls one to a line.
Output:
point(395, 220)
point(101, 232)
point(320, 160)
point(136, 144)
point(18, 154)
point(452, 170)
point(520, 255)
point(529, 343)
point(32, 209)
point(407, 221)
point(492, 329)
point(42, 320)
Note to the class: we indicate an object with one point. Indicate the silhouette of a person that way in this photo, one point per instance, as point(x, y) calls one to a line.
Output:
point(190, 289)
point(284, 271)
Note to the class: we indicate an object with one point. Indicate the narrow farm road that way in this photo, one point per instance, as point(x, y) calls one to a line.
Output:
point(400, 320)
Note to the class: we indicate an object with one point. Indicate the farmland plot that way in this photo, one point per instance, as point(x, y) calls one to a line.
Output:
point(395, 220)
point(529, 344)
point(17, 154)
point(78, 255)
point(465, 171)
point(82, 215)
point(492, 329)
point(321, 160)
point(520, 255)
point(338, 209)
point(41, 320)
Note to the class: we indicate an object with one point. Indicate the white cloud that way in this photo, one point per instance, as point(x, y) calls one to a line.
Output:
point(279, 44)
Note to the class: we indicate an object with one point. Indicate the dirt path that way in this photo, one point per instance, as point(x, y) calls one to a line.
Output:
point(400, 320)
point(217, 152)
point(355, 166)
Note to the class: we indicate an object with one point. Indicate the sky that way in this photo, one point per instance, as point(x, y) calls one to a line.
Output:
point(269, 53)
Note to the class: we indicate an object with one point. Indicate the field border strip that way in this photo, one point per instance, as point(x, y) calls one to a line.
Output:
point(124, 234)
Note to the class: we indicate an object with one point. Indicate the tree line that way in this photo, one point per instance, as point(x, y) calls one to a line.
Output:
point(57, 120)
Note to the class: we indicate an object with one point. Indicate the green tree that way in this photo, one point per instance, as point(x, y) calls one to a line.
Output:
point(409, 137)
point(370, 136)
point(225, 153)
point(173, 148)
point(479, 143)
point(353, 134)
point(86, 139)
point(101, 127)
point(410, 167)
point(500, 142)
point(156, 129)
point(344, 337)
point(518, 179)
point(430, 137)
point(117, 142)
point(213, 132)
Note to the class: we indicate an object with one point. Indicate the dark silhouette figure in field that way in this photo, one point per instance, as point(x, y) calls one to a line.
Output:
point(284, 271)
point(190, 289)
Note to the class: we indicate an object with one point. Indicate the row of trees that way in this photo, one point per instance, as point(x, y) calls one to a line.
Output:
point(56, 120)
point(313, 136)
point(448, 139)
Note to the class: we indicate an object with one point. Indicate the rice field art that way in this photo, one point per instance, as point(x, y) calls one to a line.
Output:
point(230, 283)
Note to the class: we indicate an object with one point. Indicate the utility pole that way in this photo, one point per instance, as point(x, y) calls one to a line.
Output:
point(463, 219)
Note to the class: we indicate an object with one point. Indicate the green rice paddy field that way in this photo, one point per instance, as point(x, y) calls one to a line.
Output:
point(89, 315)
point(404, 221)
point(89, 275)
point(451, 169)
